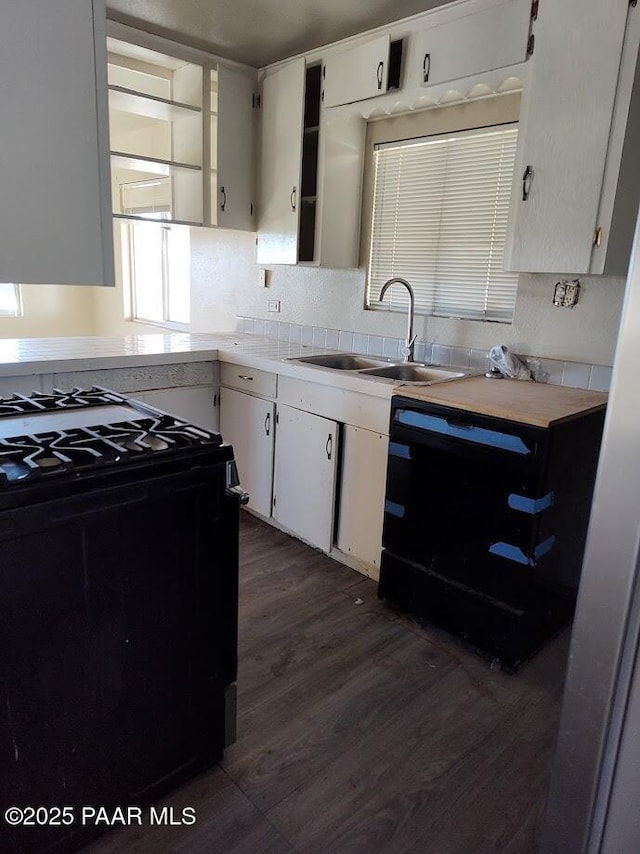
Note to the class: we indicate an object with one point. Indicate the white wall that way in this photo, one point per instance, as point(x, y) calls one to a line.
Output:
point(52, 311)
point(225, 284)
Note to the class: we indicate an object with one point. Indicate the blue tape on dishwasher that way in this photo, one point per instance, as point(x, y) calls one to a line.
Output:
point(394, 509)
point(530, 505)
point(398, 450)
point(477, 435)
point(516, 554)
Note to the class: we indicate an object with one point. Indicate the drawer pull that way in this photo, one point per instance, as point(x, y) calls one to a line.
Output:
point(245, 377)
point(426, 67)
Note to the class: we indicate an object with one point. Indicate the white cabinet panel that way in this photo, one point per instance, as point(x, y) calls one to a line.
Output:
point(248, 423)
point(356, 74)
point(281, 158)
point(564, 134)
point(54, 164)
point(362, 490)
point(491, 38)
point(305, 475)
point(194, 405)
point(236, 154)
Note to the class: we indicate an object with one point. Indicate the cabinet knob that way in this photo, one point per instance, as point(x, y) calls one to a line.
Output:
point(527, 178)
point(223, 199)
point(379, 71)
point(293, 199)
point(426, 67)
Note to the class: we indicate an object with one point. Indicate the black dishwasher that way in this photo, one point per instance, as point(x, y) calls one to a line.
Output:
point(118, 607)
point(485, 522)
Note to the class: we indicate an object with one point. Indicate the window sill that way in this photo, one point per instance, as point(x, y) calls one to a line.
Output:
point(169, 325)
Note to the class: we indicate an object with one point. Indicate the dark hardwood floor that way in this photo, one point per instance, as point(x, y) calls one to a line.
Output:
point(360, 732)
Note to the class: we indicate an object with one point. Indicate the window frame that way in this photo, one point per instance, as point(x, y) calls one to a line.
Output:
point(491, 112)
point(19, 310)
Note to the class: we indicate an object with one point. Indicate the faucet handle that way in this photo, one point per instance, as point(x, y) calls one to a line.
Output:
point(407, 350)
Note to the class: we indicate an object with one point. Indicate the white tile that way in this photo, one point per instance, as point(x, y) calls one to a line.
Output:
point(420, 351)
point(283, 331)
point(600, 379)
point(554, 368)
point(259, 327)
point(375, 345)
point(306, 335)
point(319, 336)
point(428, 352)
point(345, 341)
point(479, 360)
point(576, 374)
point(249, 325)
point(239, 324)
point(359, 343)
point(332, 339)
point(271, 328)
point(441, 354)
point(295, 331)
point(459, 357)
point(391, 347)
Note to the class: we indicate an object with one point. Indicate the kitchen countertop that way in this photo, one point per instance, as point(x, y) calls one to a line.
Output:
point(28, 356)
point(538, 404)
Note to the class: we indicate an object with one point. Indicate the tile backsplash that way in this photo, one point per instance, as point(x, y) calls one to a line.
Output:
point(557, 372)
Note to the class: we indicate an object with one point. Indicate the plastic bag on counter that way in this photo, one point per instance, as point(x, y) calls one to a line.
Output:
point(508, 363)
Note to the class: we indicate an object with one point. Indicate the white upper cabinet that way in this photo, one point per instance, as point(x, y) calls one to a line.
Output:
point(475, 42)
point(236, 150)
point(282, 122)
point(356, 74)
point(565, 128)
point(54, 165)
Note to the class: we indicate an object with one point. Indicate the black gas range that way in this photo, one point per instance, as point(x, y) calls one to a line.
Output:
point(118, 605)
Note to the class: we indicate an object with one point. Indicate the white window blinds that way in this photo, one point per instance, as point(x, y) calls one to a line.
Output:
point(440, 211)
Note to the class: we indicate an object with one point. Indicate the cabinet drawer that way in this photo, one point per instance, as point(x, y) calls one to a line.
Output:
point(250, 380)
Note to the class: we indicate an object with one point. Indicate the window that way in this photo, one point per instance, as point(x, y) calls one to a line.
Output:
point(439, 219)
point(158, 255)
point(10, 300)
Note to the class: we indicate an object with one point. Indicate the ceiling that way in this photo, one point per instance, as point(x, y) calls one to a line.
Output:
point(259, 32)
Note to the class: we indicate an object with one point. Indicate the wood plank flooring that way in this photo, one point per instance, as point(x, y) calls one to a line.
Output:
point(360, 732)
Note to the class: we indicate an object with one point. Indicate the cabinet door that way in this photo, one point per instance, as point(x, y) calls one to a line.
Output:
point(564, 134)
point(362, 488)
point(248, 423)
point(236, 155)
point(194, 405)
point(54, 163)
point(282, 117)
point(355, 74)
point(491, 38)
point(305, 475)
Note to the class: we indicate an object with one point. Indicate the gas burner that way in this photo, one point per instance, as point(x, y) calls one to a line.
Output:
point(42, 402)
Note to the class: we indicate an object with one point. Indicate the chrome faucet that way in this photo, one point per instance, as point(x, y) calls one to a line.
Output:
point(407, 350)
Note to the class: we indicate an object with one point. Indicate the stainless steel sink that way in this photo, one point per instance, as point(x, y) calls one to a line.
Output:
point(342, 361)
point(412, 373)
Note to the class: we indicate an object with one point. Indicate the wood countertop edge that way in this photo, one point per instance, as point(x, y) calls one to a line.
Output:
point(497, 411)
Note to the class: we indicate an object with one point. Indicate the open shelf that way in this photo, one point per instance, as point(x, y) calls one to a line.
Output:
point(152, 165)
point(137, 218)
point(130, 101)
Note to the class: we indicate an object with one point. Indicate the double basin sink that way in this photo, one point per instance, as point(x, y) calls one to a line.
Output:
point(406, 372)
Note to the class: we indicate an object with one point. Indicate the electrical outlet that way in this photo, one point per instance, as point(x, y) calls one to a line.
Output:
point(566, 292)
point(273, 305)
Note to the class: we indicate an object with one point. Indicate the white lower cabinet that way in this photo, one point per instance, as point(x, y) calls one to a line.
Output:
point(247, 422)
point(305, 474)
point(195, 405)
point(362, 489)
